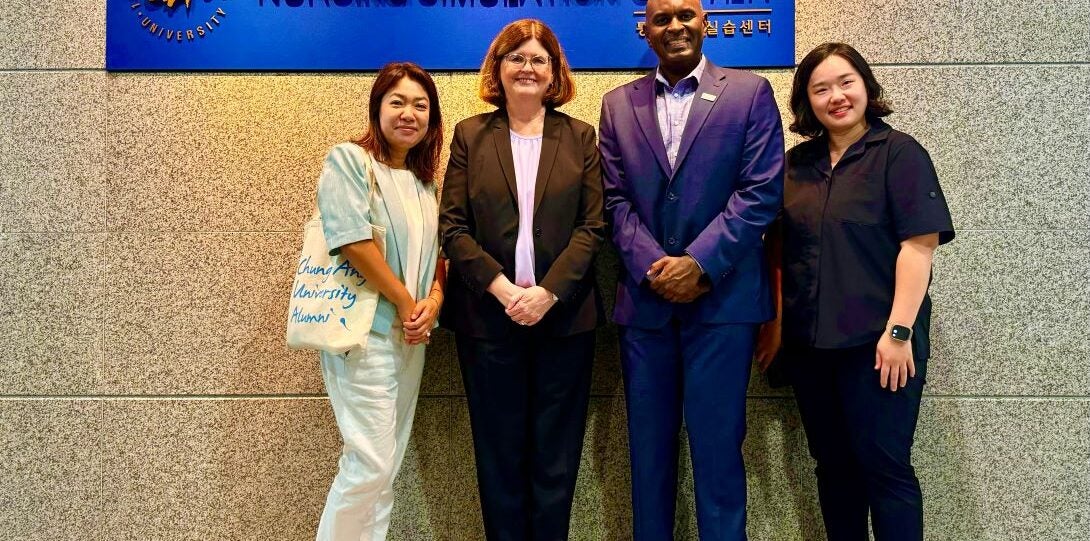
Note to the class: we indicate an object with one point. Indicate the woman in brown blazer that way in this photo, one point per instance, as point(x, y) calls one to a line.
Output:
point(521, 221)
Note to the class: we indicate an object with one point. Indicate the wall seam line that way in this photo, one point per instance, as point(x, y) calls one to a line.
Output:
point(589, 71)
point(228, 398)
point(294, 231)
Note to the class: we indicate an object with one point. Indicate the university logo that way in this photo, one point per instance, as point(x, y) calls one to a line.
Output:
point(180, 21)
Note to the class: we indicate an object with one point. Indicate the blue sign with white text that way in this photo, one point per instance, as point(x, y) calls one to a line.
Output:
point(334, 35)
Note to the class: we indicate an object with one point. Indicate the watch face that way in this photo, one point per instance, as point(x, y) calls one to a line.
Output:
point(900, 332)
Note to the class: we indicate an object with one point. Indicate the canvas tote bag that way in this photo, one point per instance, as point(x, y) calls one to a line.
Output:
point(332, 306)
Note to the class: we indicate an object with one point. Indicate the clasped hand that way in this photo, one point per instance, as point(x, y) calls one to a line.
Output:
point(418, 321)
point(525, 306)
point(677, 279)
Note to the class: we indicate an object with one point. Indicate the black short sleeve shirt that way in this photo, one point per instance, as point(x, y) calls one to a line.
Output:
point(842, 231)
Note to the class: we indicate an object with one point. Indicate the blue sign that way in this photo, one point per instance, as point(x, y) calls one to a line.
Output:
point(333, 35)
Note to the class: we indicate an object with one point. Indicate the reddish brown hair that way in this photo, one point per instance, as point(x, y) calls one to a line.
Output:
point(423, 158)
point(562, 89)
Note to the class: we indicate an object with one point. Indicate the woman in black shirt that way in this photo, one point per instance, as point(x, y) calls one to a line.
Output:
point(863, 213)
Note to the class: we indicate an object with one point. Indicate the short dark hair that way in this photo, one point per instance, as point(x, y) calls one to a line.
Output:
point(423, 158)
point(806, 123)
point(562, 89)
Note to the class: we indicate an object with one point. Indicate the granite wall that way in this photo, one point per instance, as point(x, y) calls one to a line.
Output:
point(146, 393)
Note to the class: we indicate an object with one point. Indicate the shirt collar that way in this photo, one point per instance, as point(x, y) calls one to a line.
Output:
point(695, 75)
point(878, 130)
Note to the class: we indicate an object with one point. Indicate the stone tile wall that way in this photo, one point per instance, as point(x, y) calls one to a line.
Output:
point(146, 393)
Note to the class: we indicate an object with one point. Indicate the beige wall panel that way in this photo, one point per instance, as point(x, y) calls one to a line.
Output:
point(260, 469)
point(442, 376)
point(606, 379)
point(1010, 314)
point(253, 469)
point(191, 314)
point(42, 35)
point(603, 504)
point(215, 469)
point(1010, 155)
point(1004, 470)
point(589, 89)
point(224, 152)
point(424, 488)
point(465, 503)
point(52, 151)
point(905, 31)
point(129, 203)
point(202, 313)
point(51, 320)
point(50, 470)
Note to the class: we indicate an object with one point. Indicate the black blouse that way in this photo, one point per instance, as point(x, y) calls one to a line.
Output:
point(842, 232)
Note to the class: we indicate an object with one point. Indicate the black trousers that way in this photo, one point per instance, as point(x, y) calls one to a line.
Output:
point(528, 397)
point(861, 437)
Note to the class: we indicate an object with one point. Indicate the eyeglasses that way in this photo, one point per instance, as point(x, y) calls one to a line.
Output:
point(519, 60)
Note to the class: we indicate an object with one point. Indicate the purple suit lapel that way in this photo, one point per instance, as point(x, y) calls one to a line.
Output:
point(712, 82)
point(643, 105)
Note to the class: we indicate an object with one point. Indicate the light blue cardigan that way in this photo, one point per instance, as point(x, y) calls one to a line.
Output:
point(348, 211)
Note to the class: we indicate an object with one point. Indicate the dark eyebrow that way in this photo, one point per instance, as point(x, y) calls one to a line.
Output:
point(406, 98)
point(837, 78)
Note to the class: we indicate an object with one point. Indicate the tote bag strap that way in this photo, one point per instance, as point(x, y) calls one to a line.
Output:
point(372, 184)
point(378, 233)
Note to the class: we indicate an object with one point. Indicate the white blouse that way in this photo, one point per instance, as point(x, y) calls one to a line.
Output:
point(526, 152)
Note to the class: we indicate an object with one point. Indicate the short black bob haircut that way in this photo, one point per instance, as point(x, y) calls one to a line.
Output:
point(806, 123)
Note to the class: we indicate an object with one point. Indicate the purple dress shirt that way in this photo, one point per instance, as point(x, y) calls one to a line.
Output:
point(672, 104)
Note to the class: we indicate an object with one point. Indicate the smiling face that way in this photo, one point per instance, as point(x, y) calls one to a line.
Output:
point(403, 115)
point(675, 31)
point(838, 95)
point(522, 73)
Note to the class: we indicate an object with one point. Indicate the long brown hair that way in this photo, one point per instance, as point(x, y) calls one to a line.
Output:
point(423, 158)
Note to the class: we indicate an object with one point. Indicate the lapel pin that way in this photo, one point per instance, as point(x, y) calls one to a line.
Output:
point(706, 96)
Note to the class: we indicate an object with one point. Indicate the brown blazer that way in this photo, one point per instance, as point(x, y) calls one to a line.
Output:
point(478, 224)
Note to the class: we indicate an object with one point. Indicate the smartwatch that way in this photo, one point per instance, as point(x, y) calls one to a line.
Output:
point(900, 333)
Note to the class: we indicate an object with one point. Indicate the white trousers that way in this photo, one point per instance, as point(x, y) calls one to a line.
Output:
point(373, 394)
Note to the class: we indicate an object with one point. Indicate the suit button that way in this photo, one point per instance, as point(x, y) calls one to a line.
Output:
point(671, 196)
point(537, 232)
point(671, 241)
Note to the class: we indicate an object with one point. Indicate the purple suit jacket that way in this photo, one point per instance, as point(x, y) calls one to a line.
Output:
point(725, 189)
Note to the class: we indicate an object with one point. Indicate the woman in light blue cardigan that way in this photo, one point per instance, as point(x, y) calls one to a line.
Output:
point(379, 191)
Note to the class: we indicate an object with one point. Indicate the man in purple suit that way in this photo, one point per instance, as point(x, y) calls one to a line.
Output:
point(692, 162)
